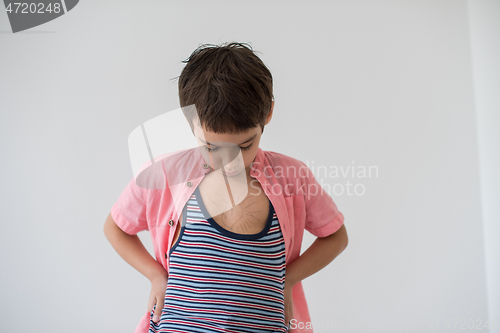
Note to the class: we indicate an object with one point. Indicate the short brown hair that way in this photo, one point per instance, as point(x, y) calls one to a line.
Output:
point(229, 85)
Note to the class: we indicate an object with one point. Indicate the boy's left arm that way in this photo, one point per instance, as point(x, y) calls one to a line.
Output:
point(316, 257)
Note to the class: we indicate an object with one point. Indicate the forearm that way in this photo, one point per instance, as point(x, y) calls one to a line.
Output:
point(131, 249)
point(316, 257)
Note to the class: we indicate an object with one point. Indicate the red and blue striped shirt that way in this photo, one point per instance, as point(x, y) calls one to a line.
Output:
point(221, 281)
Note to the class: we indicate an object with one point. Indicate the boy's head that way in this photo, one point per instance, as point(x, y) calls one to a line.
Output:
point(232, 91)
point(230, 86)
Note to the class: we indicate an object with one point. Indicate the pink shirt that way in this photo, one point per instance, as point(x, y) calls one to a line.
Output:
point(298, 199)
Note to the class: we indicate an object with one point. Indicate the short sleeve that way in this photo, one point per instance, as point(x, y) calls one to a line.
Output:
point(322, 215)
point(129, 211)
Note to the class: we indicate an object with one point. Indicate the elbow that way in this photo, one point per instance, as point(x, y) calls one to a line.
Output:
point(109, 223)
point(344, 238)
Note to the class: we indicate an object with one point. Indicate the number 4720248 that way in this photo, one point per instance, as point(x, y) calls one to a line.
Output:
point(33, 8)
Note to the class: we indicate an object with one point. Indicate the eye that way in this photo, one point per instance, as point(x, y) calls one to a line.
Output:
point(211, 149)
point(247, 147)
point(242, 148)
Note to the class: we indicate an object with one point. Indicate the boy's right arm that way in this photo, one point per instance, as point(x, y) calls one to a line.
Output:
point(131, 249)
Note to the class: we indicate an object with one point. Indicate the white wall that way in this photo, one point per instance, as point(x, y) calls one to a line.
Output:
point(366, 83)
point(484, 21)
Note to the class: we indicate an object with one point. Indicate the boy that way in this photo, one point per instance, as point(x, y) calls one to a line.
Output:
point(230, 261)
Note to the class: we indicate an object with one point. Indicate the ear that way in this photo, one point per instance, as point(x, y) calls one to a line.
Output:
point(270, 115)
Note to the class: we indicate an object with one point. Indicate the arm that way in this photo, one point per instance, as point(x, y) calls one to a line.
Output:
point(317, 256)
point(131, 249)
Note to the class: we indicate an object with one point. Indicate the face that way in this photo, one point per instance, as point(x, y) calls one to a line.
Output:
point(223, 149)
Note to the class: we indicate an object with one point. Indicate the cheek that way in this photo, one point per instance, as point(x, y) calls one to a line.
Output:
point(249, 158)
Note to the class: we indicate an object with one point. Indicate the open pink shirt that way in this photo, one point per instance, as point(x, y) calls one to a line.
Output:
point(297, 197)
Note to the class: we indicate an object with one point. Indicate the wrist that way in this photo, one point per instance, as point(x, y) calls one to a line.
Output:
point(158, 274)
point(290, 277)
point(289, 283)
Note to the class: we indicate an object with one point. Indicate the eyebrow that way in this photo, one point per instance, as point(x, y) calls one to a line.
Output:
point(250, 139)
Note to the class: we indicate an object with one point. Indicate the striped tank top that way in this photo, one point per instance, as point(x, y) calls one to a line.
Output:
point(221, 281)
